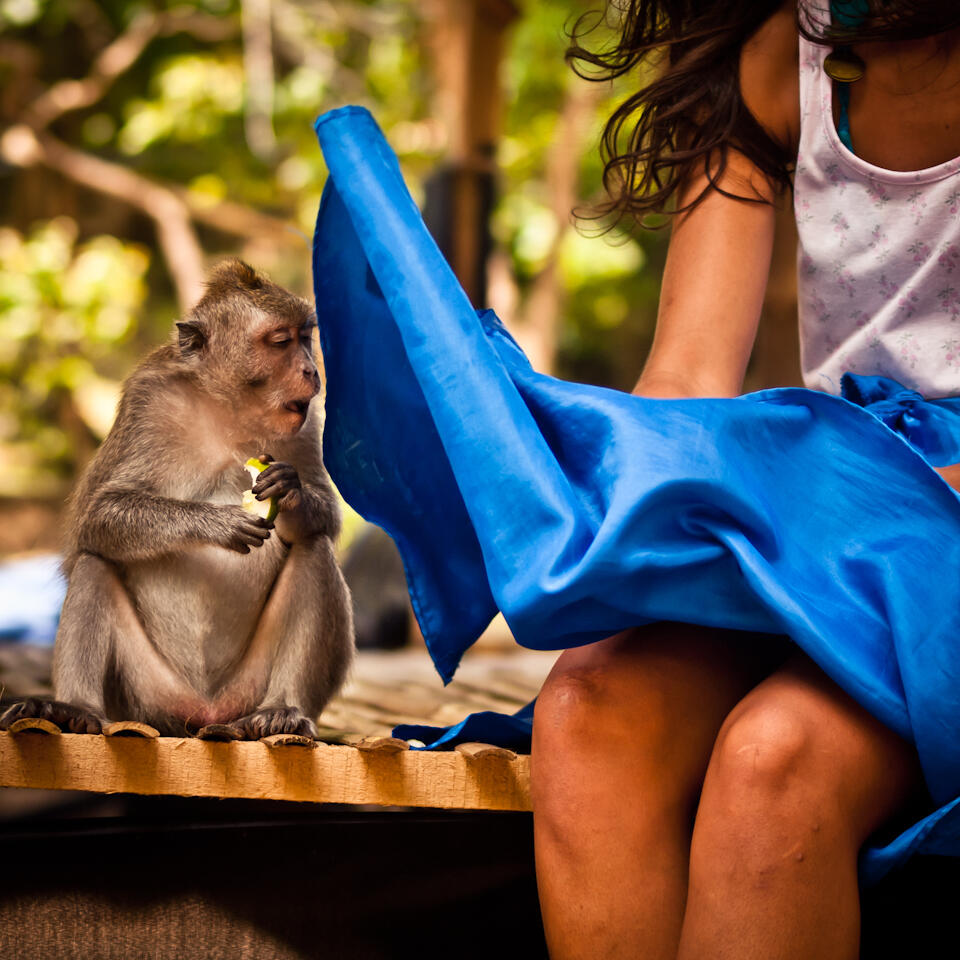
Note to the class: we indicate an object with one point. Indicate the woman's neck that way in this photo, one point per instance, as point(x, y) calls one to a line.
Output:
point(905, 112)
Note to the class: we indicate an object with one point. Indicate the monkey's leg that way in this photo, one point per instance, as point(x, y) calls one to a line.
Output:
point(81, 657)
point(303, 644)
point(103, 657)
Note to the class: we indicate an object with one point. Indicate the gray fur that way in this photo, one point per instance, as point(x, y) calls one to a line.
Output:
point(182, 609)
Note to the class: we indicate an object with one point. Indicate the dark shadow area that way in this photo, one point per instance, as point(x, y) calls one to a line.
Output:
point(910, 913)
point(189, 879)
point(182, 879)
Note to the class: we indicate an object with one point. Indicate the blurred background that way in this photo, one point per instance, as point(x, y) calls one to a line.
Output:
point(140, 141)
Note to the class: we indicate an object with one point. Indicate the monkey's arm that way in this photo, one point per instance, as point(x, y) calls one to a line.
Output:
point(125, 524)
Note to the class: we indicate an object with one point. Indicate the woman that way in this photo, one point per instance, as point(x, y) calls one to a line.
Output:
point(701, 793)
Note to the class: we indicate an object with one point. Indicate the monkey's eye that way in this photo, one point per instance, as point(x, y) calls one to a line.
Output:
point(280, 340)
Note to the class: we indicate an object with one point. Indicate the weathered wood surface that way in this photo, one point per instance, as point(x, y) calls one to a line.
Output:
point(254, 770)
point(361, 763)
point(126, 728)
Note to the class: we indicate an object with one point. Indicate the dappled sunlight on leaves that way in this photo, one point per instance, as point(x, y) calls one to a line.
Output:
point(587, 259)
point(63, 306)
point(193, 96)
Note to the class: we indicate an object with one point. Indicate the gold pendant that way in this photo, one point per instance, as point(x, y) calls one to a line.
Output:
point(843, 65)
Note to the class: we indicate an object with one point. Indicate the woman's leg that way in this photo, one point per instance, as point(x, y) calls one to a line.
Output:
point(800, 776)
point(622, 735)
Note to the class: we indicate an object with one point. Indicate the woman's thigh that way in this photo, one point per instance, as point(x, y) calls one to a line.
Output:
point(641, 710)
point(622, 734)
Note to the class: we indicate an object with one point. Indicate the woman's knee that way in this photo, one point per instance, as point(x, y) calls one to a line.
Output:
point(606, 696)
point(762, 750)
point(797, 753)
point(640, 710)
point(770, 799)
point(601, 738)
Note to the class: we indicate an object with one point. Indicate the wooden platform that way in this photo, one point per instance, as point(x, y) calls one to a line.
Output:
point(188, 767)
point(384, 690)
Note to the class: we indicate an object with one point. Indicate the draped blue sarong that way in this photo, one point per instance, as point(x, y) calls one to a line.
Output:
point(580, 511)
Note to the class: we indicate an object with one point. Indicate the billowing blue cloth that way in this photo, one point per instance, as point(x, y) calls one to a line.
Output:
point(580, 511)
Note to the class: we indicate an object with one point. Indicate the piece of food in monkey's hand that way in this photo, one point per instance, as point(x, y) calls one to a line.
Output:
point(267, 509)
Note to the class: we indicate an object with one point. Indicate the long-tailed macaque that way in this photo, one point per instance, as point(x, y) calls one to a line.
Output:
point(182, 608)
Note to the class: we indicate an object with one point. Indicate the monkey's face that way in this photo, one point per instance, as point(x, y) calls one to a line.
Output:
point(279, 372)
point(250, 344)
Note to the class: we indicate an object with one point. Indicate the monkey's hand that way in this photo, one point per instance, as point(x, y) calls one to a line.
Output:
point(279, 480)
point(304, 512)
point(238, 530)
point(65, 715)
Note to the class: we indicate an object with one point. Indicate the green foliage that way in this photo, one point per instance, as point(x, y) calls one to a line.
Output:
point(611, 282)
point(64, 307)
point(78, 306)
point(194, 96)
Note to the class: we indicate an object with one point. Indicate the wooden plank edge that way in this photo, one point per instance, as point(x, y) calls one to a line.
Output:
point(35, 725)
point(252, 770)
point(131, 728)
point(381, 744)
point(485, 751)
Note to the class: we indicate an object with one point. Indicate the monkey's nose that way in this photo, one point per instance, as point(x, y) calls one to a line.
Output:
point(311, 373)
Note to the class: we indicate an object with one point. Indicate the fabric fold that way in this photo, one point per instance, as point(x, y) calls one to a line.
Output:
point(579, 511)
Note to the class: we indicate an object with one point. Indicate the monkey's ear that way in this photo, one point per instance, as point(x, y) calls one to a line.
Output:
point(191, 336)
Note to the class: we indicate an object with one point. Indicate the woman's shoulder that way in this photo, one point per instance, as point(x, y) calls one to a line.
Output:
point(770, 76)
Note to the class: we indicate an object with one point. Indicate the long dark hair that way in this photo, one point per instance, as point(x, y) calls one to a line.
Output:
point(691, 113)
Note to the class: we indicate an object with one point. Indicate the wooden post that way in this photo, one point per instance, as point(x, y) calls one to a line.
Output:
point(466, 37)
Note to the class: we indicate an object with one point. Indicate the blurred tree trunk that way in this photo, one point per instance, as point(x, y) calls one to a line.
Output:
point(258, 78)
point(465, 38)
point(537, 324)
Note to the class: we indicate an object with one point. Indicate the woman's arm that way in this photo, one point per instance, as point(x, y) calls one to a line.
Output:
point(712, 292)
point(719, 256)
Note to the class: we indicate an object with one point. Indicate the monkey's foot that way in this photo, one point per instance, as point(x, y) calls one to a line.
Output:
point(66, 716)
point(273, 720)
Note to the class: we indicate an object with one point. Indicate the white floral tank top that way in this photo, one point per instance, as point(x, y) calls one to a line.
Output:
point(879, 257)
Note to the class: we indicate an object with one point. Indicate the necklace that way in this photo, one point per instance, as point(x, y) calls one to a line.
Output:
point(843, 65)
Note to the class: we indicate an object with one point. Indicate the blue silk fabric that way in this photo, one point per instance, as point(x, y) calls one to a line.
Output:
point(579, 511)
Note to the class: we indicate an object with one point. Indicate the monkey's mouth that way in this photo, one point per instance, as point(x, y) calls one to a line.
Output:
point(298, 406)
